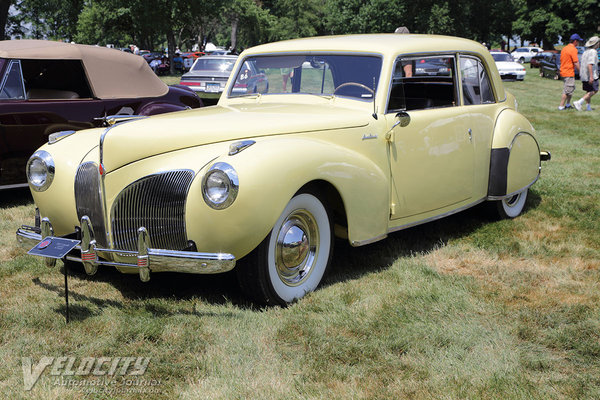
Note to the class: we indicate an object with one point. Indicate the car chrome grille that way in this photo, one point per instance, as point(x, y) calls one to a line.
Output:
point(156, 202)
point(88, 199)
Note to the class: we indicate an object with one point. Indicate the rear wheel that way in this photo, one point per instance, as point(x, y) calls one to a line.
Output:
point(292, 260)
point(511, 207)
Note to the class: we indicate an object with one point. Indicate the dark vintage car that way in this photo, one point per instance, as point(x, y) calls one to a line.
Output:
point(550, 67)
point(48, 87)
point(536, 60)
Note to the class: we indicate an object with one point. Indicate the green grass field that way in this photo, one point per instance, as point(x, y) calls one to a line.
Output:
point(465, 307)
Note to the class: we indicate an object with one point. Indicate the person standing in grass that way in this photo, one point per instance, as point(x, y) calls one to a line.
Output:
point(589, 73)
point(568, 63)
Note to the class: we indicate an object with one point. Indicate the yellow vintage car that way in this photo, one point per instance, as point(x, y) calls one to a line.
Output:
point(349, 136)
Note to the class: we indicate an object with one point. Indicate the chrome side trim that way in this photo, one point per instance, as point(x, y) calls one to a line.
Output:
point(513, 193)
point(110, 120)
point(240, 146)
point(15, 186)
point(357, 243)
point(56, 136)
point(430, 219)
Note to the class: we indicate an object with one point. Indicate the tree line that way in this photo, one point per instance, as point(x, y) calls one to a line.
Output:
point(238, 24)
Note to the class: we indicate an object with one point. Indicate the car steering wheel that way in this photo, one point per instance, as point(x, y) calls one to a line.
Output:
point(360, 85)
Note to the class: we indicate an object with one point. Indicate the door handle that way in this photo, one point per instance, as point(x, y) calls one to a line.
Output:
point(470, 132)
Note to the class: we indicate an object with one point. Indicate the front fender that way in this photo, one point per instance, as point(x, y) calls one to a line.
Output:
point(515, 155)
point(270, 172)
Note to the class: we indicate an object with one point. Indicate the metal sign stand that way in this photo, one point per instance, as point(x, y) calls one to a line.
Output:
point(66, 291)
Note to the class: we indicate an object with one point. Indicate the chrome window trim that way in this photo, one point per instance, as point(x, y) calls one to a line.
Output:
point(451, 54)
point(307, 53)
point(483, 64)
point(5, 78)
point(487, 70)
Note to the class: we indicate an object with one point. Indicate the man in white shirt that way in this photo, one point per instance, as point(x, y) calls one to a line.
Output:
point(589, 73)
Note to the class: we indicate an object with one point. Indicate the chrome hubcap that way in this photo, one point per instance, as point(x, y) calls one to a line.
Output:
point(296, 248)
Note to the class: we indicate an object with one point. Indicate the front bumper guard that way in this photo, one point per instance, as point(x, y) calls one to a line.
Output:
point(148, 259)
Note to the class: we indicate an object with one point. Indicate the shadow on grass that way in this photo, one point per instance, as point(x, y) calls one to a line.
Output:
point(348, 263)
point(15, 197)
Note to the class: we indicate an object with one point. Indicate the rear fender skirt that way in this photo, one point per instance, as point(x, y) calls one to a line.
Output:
point(498, 172)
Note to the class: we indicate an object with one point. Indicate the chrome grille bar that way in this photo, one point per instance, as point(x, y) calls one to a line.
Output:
point(156, 202)
point(88, 199)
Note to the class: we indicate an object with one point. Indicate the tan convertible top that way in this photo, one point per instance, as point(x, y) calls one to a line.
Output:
point(111, 73)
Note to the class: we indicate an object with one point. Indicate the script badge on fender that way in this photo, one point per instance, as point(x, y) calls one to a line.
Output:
point(53, 247)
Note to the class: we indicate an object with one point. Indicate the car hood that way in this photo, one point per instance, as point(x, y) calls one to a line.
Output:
point(508, 65)
point(132, 141)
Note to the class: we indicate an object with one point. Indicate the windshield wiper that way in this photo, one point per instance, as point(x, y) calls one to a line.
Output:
point(249, 95)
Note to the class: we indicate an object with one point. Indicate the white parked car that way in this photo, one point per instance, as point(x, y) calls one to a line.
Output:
point(524, 54)
point(508, 68)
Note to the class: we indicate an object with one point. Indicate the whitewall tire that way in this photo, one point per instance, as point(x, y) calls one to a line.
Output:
point(512, 206)
point(294, 257)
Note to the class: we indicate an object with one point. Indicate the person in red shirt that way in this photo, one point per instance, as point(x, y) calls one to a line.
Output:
point(568, 62)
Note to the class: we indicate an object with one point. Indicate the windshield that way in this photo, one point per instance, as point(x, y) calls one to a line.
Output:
point(340, 75)
point(213, 64)
point(502, 57)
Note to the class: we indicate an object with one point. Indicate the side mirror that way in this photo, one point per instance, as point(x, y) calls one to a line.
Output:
point(403, 119)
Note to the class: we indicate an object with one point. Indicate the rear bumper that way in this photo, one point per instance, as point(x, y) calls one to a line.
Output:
point(145, 260)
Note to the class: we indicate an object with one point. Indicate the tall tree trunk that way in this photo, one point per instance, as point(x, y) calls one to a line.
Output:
point(4, 6)
point(172, 45)
point(234, 28)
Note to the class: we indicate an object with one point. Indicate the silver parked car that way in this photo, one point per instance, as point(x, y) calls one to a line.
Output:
point(208, 75)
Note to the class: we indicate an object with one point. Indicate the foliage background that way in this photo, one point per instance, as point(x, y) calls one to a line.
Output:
point(153, 24)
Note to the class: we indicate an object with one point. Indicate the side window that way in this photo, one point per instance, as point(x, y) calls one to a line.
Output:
point(423, 82)
point(475, 82)
point(487, 94)
point(12, 85)
point(55, 79)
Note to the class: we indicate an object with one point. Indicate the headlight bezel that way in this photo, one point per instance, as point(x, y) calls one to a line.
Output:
point(221, 170)
point(48, 164)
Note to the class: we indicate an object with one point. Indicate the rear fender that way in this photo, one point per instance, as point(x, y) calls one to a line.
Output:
point(515, 156)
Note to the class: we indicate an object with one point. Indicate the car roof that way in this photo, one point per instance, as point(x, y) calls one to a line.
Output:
point(385, 43)
point(220, 57)
point(111, 73)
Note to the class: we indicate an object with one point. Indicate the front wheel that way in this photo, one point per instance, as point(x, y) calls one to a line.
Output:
point(292, 260)
point(511, 207)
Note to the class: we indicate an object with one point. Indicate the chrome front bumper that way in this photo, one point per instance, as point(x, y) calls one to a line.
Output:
point(147, 258)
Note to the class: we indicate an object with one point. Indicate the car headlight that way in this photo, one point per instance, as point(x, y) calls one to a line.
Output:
point(220, 186)
point(40, 170)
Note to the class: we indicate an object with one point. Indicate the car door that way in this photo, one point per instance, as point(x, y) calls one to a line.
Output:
point(478, 106)
point(431, 158)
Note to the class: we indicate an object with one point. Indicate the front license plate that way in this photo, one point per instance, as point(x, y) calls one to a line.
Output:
point(213, 87)
point(53, 247)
